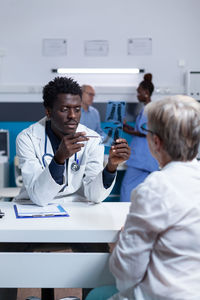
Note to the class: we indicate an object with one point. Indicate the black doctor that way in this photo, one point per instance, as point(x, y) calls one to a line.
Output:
point(64, 112)
point(60, 158)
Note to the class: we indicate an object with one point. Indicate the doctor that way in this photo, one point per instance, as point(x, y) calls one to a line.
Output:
point(60, 157)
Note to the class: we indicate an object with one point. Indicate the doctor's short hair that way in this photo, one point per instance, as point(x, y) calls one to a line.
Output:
point(60, 85)
point(176, 121)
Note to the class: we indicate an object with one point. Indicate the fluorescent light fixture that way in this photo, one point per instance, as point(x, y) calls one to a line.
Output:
point(98, 71)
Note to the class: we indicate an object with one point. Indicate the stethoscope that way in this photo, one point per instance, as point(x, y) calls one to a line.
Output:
point(74, 166)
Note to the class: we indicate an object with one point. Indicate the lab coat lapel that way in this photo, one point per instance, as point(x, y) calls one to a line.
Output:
point(39, 141)
point(70, 173)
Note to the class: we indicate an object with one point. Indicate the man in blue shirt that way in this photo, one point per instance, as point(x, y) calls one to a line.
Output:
point(89, 115)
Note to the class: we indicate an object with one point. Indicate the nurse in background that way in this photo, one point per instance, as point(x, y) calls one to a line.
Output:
point(141, 163)
point(89, 115)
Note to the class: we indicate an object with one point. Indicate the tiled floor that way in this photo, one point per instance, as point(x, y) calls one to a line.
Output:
point(59, 293)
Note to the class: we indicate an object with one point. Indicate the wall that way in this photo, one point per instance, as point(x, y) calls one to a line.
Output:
point(173, 26)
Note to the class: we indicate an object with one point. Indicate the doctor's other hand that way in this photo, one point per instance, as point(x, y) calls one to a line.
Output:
point(118, 153)
point(70, 144)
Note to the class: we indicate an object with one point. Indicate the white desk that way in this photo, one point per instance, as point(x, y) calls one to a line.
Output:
point(87, 223)
point(9, 192)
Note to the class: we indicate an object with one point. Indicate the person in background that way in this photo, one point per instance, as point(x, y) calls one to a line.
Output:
point(141, 163)
point(89, 115)
point(157, 255)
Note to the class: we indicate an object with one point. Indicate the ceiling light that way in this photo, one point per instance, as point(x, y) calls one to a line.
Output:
point(98, 71)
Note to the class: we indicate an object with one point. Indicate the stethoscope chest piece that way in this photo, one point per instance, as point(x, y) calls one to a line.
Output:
point(75, 166)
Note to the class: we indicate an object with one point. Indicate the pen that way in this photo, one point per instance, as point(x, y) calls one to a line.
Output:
point(92, 136)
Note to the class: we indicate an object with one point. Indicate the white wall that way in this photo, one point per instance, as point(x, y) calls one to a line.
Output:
point(173, 25)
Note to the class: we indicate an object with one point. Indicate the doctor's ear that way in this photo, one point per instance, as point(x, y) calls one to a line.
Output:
point(48, 114)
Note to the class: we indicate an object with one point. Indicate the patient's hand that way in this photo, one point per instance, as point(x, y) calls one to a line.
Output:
point(112, 245)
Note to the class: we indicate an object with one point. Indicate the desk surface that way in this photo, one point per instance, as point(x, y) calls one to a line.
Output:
point(87, 223)
point(9, 192)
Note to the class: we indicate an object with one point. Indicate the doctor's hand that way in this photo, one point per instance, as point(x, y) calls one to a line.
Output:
point(69, 145)
point(118, 153)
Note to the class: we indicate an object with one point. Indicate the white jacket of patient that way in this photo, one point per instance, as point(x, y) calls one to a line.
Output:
point(158, 254)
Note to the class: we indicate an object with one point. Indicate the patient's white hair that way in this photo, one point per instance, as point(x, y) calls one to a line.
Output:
point(176, 120)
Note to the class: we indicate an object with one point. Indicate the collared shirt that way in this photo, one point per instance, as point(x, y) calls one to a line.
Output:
point(91, 119)
point(57, 170)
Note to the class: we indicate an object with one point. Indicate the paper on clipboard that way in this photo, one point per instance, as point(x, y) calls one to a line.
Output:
point(34, 211)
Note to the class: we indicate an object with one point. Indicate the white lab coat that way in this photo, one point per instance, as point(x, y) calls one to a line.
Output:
point(158, 253)
point(40, 187)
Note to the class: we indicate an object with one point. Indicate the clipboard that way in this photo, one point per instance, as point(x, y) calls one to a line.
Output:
point(33, 211)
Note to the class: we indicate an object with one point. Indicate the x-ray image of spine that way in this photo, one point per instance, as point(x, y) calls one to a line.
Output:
point(109, 135)
point(115, 111)
point(112, 135)
point(117, 133)
point(119, 112)
point(111, 116)
point(114, 117)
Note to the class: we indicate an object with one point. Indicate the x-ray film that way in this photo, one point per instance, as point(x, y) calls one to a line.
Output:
point(112, 131)
point(115, 111)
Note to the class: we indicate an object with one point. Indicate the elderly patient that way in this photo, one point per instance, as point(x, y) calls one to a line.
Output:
point(157, 255)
